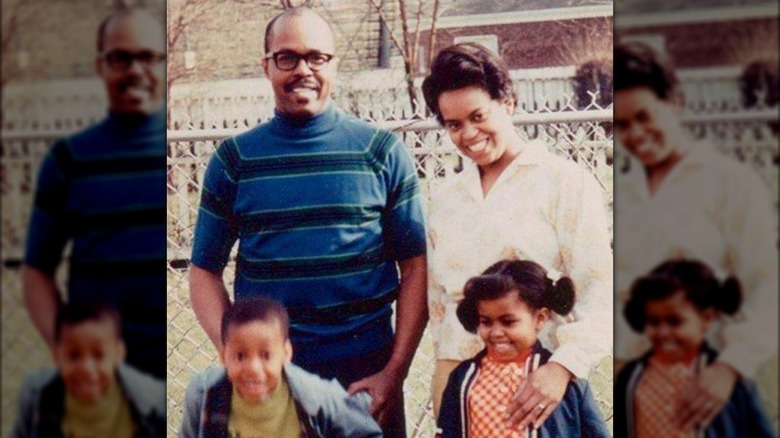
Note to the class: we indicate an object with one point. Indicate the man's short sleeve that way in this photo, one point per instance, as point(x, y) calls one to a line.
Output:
point(216, 229)
point(403, 221)
point(47, 232)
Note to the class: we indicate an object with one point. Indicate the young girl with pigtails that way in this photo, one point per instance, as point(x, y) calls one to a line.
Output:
point(673, 307)
point(507, 306)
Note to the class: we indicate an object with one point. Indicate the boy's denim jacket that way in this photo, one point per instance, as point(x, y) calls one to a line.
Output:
point(577, 415)
point(42, 403)
point(324, 408)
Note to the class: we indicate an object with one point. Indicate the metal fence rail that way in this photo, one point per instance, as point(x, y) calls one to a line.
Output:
point(584, 136)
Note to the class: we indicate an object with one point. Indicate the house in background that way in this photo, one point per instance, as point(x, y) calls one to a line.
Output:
point(37, 46)
point(702, 33)
point(726, 50)
point(214, 66)
point(561, 50)
point(530, 34)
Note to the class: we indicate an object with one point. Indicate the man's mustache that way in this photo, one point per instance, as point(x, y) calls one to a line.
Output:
point(302, 83)
point(133, 84)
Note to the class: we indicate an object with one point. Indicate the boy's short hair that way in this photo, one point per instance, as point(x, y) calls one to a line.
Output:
point(258, 308)
point(70, 314)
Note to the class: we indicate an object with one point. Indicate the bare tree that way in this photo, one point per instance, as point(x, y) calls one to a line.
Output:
point(409, 43)
point(591, 39)
point(288, 4)
point(17, 15)
point(590, 49)
point(277, 4)
point(744, 44)
point(189, 20)
point(182, 16)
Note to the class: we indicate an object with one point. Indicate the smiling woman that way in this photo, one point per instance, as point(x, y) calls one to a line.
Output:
point(515, 201)
point(477, 125)
point(681, 199)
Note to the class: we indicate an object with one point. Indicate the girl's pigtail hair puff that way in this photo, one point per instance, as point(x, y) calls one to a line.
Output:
point(728, 297)
point(560, 295)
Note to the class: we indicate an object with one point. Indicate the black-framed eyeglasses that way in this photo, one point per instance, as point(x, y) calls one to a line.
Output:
point(122, 60)
point(287, 61)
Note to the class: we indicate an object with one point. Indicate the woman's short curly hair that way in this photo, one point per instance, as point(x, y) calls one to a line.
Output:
point(465, 65)
point(639, 65)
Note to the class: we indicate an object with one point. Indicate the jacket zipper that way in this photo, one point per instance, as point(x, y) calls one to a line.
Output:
point(630, 392)
point(464, 390)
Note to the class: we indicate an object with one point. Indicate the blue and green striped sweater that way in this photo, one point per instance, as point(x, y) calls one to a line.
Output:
point(104, 190)
point(322, 211)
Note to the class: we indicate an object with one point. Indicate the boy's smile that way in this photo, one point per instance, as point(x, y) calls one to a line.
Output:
point(88, 354)
point(254, 356)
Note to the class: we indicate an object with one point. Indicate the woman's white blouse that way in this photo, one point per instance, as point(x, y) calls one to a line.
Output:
point(542, 208)
point(715, 210)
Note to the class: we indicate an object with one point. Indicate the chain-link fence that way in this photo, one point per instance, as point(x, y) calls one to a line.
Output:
point(584, 136)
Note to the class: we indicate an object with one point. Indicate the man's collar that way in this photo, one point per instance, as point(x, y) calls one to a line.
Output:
point(327, 112)
point(313, 125)
point(138, 121)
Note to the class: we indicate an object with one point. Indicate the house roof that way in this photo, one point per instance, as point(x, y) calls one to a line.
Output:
point(658, 6)
point(479, 7)
point(639, 13)
point(474, 13)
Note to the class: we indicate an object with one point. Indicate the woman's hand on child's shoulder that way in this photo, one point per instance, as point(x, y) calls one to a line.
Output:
point(539, 395)
point(707, 396)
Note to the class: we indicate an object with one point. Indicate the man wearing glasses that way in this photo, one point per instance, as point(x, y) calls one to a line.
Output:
point(103, 190)
point(327, 213)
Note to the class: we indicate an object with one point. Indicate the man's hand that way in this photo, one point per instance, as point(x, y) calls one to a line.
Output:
point(538, 397)
point(42, 300)
point(385, 388)
point(705, 398)
point(209, 300)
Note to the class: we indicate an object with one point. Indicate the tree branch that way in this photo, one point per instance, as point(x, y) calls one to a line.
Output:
point(418, 25)
point(386, 23)
point(432, 34)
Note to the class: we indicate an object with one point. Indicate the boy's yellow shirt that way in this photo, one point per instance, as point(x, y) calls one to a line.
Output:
point(275, 417)
point(108, 417)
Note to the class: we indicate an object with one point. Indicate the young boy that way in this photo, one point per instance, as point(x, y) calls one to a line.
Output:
point(259, 392)
point(91, 393)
